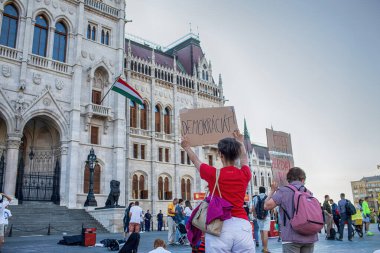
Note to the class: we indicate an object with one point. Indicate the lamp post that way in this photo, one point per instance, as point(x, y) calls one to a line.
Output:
point(91, 160)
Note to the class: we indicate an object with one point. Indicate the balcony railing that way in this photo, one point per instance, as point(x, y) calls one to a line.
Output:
point(163, 136)
point(98, 110)
point(44, 62)
point(137, 131)
point(9, 53)
point(98, 5)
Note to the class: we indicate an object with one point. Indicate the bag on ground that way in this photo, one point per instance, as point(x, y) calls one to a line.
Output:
point(307, 218)
point(332, 234)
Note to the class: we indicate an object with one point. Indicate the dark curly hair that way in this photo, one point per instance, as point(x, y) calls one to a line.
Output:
point(229, 148)
point(295, 174)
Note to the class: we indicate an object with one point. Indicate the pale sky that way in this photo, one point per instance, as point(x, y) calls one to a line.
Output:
point(310, 68)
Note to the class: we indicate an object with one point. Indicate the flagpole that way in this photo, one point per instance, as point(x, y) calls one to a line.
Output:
point(117, 78)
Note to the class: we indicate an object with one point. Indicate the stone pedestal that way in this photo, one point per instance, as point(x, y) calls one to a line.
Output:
point(110, 218)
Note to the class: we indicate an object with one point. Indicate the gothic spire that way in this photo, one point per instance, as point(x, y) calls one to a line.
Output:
point(247, 139)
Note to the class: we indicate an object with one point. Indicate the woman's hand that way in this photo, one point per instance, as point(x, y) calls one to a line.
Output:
point(238, 136)
point(274, 186)
point(185, 143)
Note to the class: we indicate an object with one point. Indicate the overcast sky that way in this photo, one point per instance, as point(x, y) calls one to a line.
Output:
point(310, 68)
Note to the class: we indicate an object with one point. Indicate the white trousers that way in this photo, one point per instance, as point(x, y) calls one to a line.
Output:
point(171, 232)
point(236, 237)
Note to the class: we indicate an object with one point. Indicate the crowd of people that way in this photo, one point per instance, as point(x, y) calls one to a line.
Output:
point(299, 216)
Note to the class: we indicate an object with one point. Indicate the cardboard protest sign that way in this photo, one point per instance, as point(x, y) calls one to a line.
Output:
point(208, 125)
point(280, 150)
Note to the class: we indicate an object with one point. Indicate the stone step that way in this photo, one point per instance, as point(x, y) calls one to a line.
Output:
point(33, 218)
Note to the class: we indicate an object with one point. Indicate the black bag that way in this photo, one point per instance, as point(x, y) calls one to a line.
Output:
point(332, 234)
point(111, 244)
point(132, 244)
point(261, 214)
point(350, 208)
point(72, 240)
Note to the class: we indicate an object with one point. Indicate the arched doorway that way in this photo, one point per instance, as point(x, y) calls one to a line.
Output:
point(38, 172)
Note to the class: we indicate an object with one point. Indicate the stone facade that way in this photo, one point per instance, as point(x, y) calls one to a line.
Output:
point(50, 113)
point(367, 187)
point(261, 166)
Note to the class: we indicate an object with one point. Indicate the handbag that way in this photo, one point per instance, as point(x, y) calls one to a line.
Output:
point(199, 219)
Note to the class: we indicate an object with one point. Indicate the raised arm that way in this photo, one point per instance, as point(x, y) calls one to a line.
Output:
point(243, 153)
point(185, 144)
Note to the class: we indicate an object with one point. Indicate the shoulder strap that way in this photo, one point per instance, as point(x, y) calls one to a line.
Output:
point(217, 172)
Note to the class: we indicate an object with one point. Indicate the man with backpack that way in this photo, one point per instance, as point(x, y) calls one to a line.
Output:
point(263, 217)
point(327, 212)
point(336, 214)
point(300, 213)
point(345, 216)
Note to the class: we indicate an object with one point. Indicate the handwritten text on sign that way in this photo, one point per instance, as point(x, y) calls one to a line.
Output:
point(208, 125)
point(280, 168)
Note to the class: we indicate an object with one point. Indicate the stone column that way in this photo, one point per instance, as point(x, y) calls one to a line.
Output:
point(63, 173)
point(13, 145)
point(51, 31)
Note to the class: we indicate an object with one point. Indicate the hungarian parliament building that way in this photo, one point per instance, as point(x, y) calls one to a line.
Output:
point(58, 59)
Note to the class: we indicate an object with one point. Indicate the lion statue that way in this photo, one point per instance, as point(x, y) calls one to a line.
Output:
point(113, 197)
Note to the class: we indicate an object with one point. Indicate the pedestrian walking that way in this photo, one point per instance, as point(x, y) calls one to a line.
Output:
point(344, 217)
point(135, 214)
point(293, 242)
point(327, 212)
point(263, 217)
point(4, 202)
point(335, 212)
point(160, 218)
point(147, 220)
point(366, 216)
point(236, 234)
point(254, 220)
point(188, 210)
point(171, 221)
point(179, 212)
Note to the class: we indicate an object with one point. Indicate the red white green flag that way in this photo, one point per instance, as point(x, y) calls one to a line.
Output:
point(126, 90)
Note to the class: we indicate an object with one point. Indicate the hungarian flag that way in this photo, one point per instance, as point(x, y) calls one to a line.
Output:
point(126, 90)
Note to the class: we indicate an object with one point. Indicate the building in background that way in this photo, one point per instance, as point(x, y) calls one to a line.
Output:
point(58, 59)
point(367, 187)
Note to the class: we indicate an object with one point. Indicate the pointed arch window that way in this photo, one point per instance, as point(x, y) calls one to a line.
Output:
point(133, 114)
point(93, 33)
point(9, 26)
point(262, 180)
point(102, 37)
point(186, 188)
point(160, 189)
point(86, 181)
point(157, 117)
point(60, 42)
point(135, 187)
point(89, 31)
point(143, 116)
point(167, 127)
point(40, 36)
point(107, 40)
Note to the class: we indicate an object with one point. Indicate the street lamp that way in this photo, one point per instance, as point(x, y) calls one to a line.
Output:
point(91, 160)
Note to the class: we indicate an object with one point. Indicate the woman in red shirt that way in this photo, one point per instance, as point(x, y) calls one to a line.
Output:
point(236, 233)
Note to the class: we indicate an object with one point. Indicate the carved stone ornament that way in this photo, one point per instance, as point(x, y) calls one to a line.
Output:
point(84, 54)
point(20, 104)
point(37, 78)
point(22, 85)
point(47, 2)
point(71, 10)
point(63, 8)
point(59, 84)
point(55, 4)
point(13, 144)
point(6, 70)
point(92, 56)
point(64, 150)
point(46, 101)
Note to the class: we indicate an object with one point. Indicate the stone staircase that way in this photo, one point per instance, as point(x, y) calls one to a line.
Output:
point(33, 218)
